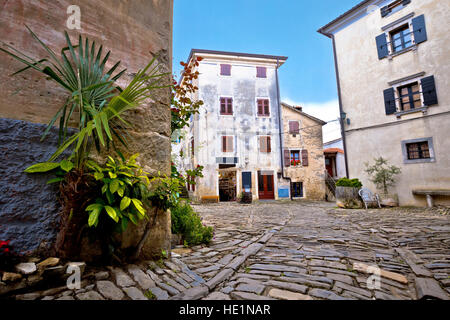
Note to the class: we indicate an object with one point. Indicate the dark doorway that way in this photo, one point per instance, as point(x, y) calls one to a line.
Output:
point(265, 186)
point(227, 182)
point(297, 189)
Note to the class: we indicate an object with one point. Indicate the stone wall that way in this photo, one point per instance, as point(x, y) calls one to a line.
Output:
point(310, 138)
point(134, 31)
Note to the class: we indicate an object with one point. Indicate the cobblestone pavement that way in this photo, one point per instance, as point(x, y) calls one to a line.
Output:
point(290, 251)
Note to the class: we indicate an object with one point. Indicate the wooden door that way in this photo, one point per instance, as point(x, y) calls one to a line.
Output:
point(265, 186)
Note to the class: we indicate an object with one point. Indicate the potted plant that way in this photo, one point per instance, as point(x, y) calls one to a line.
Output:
point(347, 193)
point(383, 176)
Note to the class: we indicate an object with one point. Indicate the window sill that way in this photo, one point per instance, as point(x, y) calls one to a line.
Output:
point(422, 109)
point(428, 160)
point(392, 55)
point(261, 116)
point(226, 114)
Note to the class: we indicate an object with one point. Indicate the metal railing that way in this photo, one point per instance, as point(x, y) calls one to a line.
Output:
point(330, 182)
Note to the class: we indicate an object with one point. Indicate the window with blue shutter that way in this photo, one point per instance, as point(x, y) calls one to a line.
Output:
point(393, 7)
point(429, 91)
point(419, 29)
point(389, 101)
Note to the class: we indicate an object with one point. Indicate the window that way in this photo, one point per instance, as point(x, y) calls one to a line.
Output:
point(398, 38)
point(225, 69)
point(263, 107)
point(401, 38)
point(409, 96)
point(192, 147)
point(264, 144)
point(295, 158)
point(261, 72)
point(227, 144)
point(394, 7)
point(226, 106)
point(294, 127)
point(419, 150)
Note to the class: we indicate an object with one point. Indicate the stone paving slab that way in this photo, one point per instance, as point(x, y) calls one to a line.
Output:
point(289, 251)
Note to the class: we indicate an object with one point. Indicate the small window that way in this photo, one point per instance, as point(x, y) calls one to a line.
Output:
point(263, 107)
point(226, 106)
point(294, 127)
point(394, 7)
point(227, 144)
point(418, 150)
point(192, 147)
point(261, 72)
point(264, 144)
point(401, 38)
point(225, 69)
point(409, 96)
point(295, 158)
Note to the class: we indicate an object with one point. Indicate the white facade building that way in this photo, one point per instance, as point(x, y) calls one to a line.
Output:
point(236, 134)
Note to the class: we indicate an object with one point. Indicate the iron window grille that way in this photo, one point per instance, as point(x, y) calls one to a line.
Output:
point(409, 96)
point(419, 150)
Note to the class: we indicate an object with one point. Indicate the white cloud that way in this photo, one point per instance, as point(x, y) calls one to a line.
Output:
point(327, 111)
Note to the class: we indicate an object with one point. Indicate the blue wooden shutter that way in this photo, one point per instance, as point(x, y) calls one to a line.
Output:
point(429, 91)
point(389, 101)
point(385, 11)
point(419, 29)
point(382, 46)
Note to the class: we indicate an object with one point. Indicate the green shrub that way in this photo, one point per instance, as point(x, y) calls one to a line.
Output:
point(344, 182)
point(187, 222)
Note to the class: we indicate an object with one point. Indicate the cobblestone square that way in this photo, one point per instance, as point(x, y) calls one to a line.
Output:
point(312, 250)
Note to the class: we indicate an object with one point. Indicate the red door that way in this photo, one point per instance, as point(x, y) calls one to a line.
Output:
point(265, 186)
point(329, 165)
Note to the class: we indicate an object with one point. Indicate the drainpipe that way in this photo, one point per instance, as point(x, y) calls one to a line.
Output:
point(281, 130)
point(341, 121)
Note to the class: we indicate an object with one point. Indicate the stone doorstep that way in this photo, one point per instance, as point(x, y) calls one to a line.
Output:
point(386, 274)
point(287, 295)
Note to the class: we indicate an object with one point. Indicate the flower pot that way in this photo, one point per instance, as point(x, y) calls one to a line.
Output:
point(348, 198)
point(388, 200)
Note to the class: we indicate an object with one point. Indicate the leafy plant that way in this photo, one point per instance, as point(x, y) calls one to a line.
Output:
point(187, 222)
point(353, 183)
point(183, 107)
point(382, 174)
point(124, 188)
point(149, 295)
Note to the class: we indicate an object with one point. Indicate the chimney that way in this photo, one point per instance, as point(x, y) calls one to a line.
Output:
point(299, 108)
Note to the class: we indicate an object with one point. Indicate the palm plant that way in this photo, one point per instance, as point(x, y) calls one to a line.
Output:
point(92, 93)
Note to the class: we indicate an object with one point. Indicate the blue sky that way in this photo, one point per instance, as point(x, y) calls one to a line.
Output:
point(275, 27)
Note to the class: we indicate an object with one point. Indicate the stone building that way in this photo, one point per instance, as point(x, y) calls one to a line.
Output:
point(303, 153)
point(134, 31)
point(393, 71)
point(236, 135)
point(335, 158)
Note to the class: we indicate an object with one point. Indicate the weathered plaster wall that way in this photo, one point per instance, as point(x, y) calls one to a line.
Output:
point(340, 157)
point(244, 125)
point(310, 138)
point(363, 77)
point(134, 31)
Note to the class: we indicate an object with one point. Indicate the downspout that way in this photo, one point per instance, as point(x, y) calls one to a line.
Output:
point(341, 121)
point(280, 124)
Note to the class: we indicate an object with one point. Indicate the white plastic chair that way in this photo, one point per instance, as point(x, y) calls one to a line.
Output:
point(368, 197)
